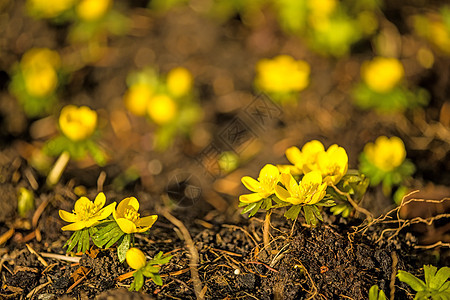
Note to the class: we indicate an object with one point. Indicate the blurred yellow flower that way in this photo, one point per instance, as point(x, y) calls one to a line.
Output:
point(90, 10)
point(386, 154)
point(77, 123)
point(87, 213)
point(382, 74)
point(309, 191)
point(305, 160)
point(263, 187)
point(332, 164)
point(48, 9)
point(282, 74)
point(322, 8)
point(128, 218)
point(137, 98)
point(161, 109)
point(179, 81)
point(38, 67)
point(135, 258)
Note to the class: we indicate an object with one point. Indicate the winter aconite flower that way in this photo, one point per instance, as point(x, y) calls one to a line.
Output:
point(305, 160)
point(309, 191)
point(179, 81)
point(282, 74)
point(162, 109)
point(87, 213)
point(137, 98)
point(332, 164)
point(128, 218)
point(39, 68)
point(263, 187)
point(77, 123)
point(386, 154)
point(48, 9)
point(382, 74)
point(135, 258)
point(91, 10)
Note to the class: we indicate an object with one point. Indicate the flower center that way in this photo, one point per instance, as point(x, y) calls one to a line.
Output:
point(132, 214)
point(86, 211)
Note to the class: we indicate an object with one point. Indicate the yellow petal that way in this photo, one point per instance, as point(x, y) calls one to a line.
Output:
point(251, 184)
point(67, 216)
point(294, 155)
point(147, 221)
point(81, 204)
point(91, 222)
point(74, 226)
point(295, 200)
point(106, 211)
point(100, 200)
point(313, 177)
point(269, 171)
point(126, 225)
point(312, 147)
point(282, 193)
point(250, 198)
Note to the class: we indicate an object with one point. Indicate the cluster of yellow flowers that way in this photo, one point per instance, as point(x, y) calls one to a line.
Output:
point(281, 76)
point(87, 10)
point(148, 97)
point(87, 214)
point(317, 167)
point(92, 220)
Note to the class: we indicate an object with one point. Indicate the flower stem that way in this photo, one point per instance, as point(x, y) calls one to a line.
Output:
point(266, 231)
point(60, 165)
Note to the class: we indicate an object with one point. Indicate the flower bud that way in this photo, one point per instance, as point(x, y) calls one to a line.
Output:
point(135, 258)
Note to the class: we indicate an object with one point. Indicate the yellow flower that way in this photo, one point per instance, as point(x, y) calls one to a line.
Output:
point(309, 191)
point(87, 213)
point(322, 8)
point(48, 9)
point(332, 164)
point(304, 161)
point(128, 218)
point(39, 66)
point(162, 109)
point(282, 74)
point(90, 10)
point(382, 74)
point(386, 154)
point(40, 82)
point(137, 98)
point(77, 123)
point(263, 187)
point(135, 258)
point(179, 82)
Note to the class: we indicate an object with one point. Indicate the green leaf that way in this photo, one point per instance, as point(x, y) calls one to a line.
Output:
point(292, 213)
point(157, 279)
point(132, 286)
point(414, 282)
point(376, 294)
point(151, 269)
point(138, 280)
point(309, 215)
point(439, 278)
point(114, 239)
point(73, 241)
point(123, 247)
point(83, 244)
point(255, 209)
point(429, 271)
point(249, 207)
point(159, 259)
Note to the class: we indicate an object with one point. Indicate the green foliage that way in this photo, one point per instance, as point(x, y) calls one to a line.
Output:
point(150, 270)
point(436, 285)
point(76, 149)
point(396, 100)
point(108, 234)
point(81, 239)
point(25, 201)
point(387, 179)
point(376, 294)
